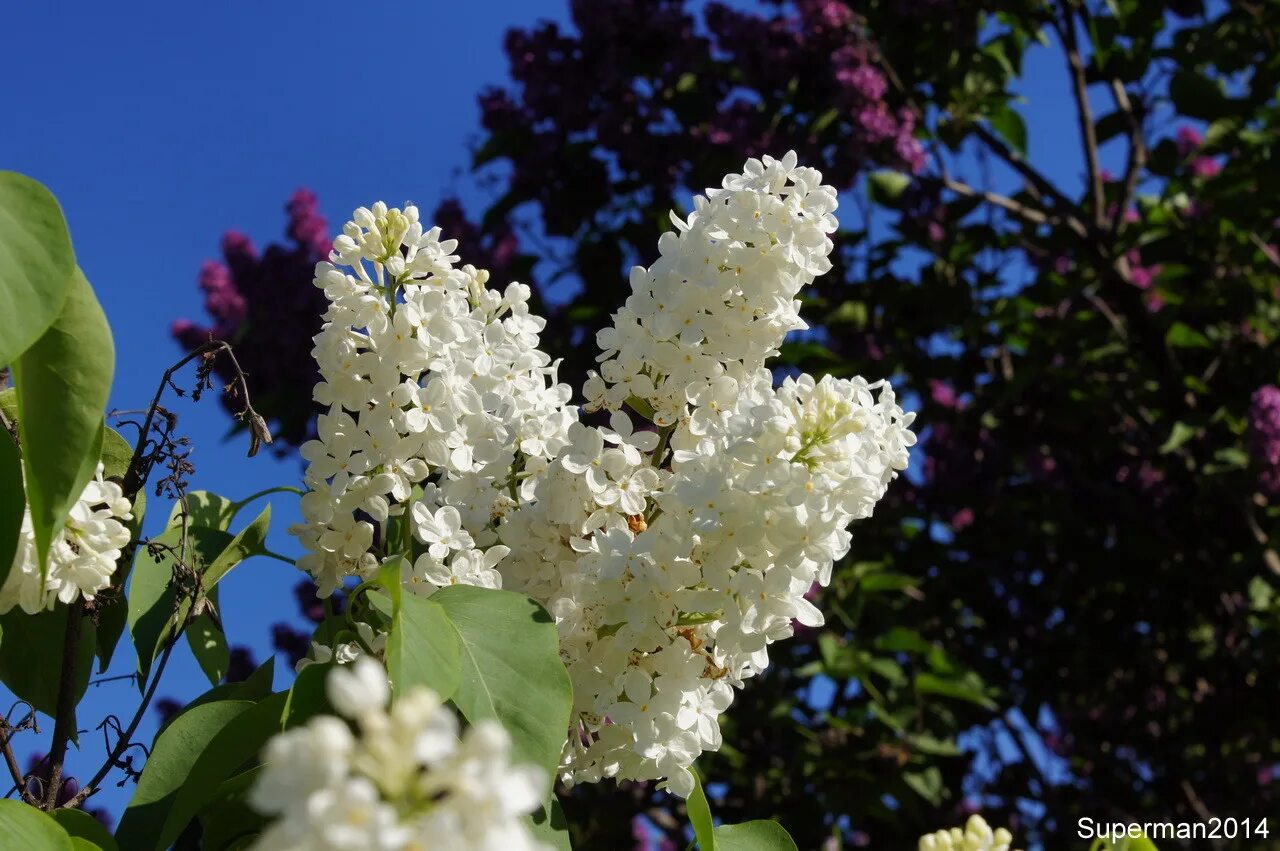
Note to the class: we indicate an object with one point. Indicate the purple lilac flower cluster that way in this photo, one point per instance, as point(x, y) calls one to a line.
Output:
point(636, 113)
point(264, 304)
point(1264, 425)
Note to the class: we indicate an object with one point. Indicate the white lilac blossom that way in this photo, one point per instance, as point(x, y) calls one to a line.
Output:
point(976, 835)
point(346, 652)
point(391, 779)
point(670, 559)
point(438, 397)
point(82, 557)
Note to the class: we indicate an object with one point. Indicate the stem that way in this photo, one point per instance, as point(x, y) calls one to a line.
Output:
point(236, 506)
point(123, 742)
point(64, 723)
point(20, 781)
point(664, 436)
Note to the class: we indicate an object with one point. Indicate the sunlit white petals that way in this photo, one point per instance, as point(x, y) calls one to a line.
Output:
point(82, 557)
point(403, 779)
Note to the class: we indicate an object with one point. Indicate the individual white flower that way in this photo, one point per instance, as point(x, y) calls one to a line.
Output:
point(442, 530)
point(359, 688)
point(976, 835)
point(82, 557)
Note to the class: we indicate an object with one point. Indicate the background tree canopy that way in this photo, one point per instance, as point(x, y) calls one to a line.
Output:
point(1081, 584)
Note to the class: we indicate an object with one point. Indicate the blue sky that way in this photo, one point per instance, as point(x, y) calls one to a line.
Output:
point(159, 126)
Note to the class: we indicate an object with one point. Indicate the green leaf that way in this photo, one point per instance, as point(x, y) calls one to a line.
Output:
point(965, 688)
point(209, 644)
point(887, 186)
point(1009, 124)
point(550, 826)
point(228, 818)
point(36, 263)
point(204, 508)
point(63, 382)
point(758, 835)
point(1183, 336)
point(78, 823)
point(700, 816)
point(511, 670)
point(249, 541)
point(12, 502)
point(235, 744)
point(32, 648)
point(307, 697)
point(174, 752)
point(422, 648)
point(155, 609)
point(24, 827)
point(113, 609)
point(1181, 433)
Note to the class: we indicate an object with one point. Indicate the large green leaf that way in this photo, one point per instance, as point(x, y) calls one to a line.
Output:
point(235, 744)
point(700, 816)
point(12, 502)
point(24, 827)
point(511, 670)
point(155, 607)
point(78, 823)
point(422, 648)
point(550, 827)
point(249, 541)
point(307, 697)
point(204, 508)
point(31, 656)
point(228, 819)
point(36, 263)
point(113, 609)
point(758, 835)
point(209, 644)
point(175, 750)
point(63, 382)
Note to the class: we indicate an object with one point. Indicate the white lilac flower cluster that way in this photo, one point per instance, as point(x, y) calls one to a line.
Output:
point(976, 835)
point(427, 374)
point(82, 557)
point(670, 559)
point(403, 779)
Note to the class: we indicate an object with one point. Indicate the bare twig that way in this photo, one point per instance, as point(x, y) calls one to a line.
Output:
point(11, 761)
point(140, 463)
point(125, 739)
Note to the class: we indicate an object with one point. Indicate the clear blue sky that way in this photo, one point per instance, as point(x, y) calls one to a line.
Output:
point(159, 126)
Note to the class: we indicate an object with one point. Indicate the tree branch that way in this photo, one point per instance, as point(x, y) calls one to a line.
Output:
point(1137, 159)
point(1084, 113)
point(64, 723)
point(1022, 211)
point(1035, 178)
point(11, 761)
